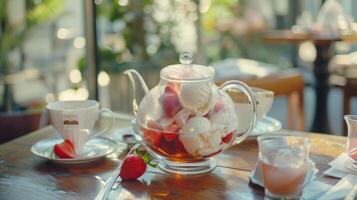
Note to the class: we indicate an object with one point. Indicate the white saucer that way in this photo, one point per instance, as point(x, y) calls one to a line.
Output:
point(266, 125)
point(96, 148)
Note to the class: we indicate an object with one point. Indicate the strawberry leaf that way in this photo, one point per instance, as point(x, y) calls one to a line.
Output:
point(147, 157)
point(152, 164)
point(138, 152)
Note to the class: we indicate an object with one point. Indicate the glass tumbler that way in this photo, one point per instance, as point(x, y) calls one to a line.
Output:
point(351, 150)
point(284, 163)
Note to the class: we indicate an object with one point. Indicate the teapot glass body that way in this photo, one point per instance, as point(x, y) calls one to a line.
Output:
point(186, 119)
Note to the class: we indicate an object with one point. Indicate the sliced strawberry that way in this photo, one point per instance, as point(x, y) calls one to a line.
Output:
point(179, 147)
point(132, 168)
point(168, 144)
point(153, 137)
point(170, 136)
point(170, 101)
point(64, 149)
point(228, 138)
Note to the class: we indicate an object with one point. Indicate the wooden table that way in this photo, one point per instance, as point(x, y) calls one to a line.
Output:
point(324, 53)
point(25, 176)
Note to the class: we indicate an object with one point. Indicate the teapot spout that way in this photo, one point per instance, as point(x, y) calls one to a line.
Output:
point(138, 84)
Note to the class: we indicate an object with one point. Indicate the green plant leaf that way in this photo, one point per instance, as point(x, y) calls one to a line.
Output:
point(45, 11)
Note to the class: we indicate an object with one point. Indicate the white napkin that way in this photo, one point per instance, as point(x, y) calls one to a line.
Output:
point(312, 189)
point(341, 189)
point(339, 167)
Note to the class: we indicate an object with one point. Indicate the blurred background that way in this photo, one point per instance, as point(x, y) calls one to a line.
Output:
point(61, 50)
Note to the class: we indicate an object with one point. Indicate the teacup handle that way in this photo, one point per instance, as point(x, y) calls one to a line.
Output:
point(233, 84)
point(108, 127)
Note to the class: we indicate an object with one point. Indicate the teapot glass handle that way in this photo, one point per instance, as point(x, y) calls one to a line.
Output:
point(249, 93)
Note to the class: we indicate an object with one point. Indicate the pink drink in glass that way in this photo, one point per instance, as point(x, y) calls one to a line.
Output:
point(352, 148)
point(283, 161)
point(283, 180)
point(351, 121)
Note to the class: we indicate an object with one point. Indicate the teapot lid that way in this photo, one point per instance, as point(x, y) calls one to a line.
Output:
point(186, 71)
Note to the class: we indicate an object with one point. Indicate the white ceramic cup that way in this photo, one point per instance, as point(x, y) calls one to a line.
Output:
point(244, 108)
point(74, 120)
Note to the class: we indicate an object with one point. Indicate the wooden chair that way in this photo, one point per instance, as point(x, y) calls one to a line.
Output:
point(16, 124)
point(289, 84)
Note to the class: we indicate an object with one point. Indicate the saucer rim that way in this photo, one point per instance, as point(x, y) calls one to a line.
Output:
point(255, 135)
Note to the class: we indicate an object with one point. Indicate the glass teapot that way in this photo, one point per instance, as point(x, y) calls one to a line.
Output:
point(186, 119)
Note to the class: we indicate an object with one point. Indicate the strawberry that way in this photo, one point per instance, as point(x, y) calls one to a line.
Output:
point(179, 147)
point(170, 136)
point(170, 101)
point(64, 149)
point(132, 168)
point(152, 136)
point(228, 138)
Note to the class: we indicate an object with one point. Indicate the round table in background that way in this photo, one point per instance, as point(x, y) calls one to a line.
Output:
point(324, 53)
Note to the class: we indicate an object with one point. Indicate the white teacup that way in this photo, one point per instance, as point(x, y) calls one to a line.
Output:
point(74, 120)
point(242, 104)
